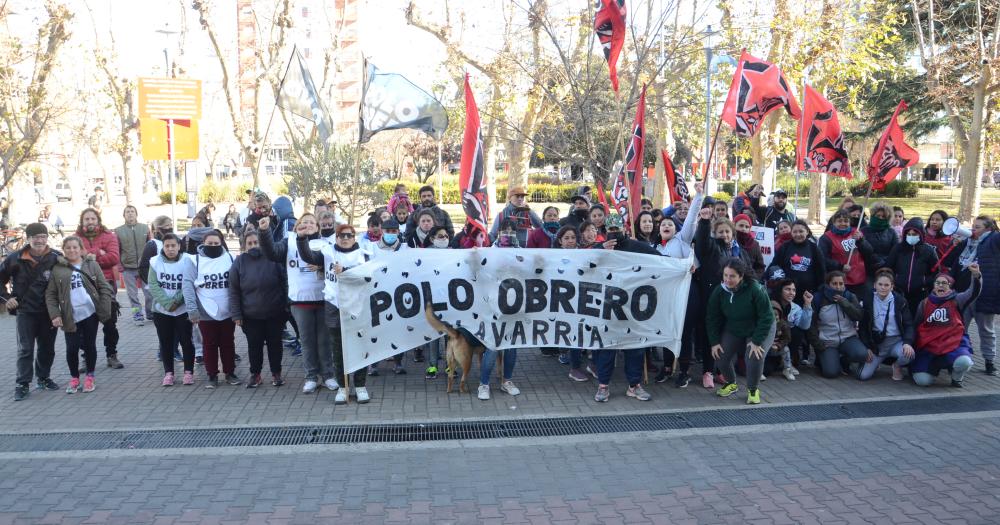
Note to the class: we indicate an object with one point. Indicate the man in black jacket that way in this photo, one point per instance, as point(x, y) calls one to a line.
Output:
point(28, 271)
point(579, 212)
point(441, 217)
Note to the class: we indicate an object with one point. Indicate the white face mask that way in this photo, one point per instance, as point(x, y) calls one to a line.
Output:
point(912, 240)
point(440, 243)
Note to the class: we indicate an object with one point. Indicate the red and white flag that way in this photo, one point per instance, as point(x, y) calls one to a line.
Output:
point(821, 143)
point(675, 181)
point(601, 197)
point(472, 175)
point(627, 198)
point(609, 24)
point(892, 153)
point(758, 88)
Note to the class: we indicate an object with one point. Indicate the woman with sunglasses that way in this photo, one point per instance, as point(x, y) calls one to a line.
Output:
point(942, 330)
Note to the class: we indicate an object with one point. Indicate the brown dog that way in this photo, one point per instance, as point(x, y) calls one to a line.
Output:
point(460, 350)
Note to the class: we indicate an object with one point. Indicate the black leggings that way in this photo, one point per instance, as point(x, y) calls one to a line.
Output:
point(686, 352)
point(171, 328)
point(84, 338)
point(260, 332)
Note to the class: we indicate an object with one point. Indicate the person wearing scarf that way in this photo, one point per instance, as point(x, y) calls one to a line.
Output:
point(942, 335)
point(417, 237)
point(935, 237)
point(845, 249)
point(747, 242)
point(545, 236)
point(982, 247)
point(880, 235)
point(835, 314)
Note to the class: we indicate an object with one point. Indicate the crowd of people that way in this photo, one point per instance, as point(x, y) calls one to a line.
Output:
point(873, 289)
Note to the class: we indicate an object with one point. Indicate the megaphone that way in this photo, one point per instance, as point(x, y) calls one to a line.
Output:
point(952, 227)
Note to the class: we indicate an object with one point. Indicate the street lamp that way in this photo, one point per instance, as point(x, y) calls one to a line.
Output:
point(712, 62)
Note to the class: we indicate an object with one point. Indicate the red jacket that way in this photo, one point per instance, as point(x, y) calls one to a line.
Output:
point(538, 239)
point(107, 242)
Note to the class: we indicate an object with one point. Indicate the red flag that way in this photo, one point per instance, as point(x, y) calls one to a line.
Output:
point(821, 143)
point(472, 175)
point(892, 153)
point(609, 24)
point(675, 181)
point(601, 198)
point(628, 198)
point(758, 88)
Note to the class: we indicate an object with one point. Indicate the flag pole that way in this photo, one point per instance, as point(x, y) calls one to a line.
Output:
point(711, 152)
point(267, 129)
point(441, 171)
point(864, 206)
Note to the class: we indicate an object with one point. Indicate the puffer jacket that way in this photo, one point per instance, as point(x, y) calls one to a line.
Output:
point(988, 255)
point(913, 265)
point(882, 241)
point(28, 279)
point(105, 241)
point(57, 293)
point(256, 287)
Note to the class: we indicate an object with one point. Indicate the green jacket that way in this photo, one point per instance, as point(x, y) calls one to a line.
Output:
point(131, 241)
point(57, 294)
point(745, 312)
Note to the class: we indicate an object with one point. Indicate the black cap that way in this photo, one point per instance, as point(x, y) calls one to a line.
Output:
point(36, 228)
point(390, 224)
point(781, 192)
point(576, 198)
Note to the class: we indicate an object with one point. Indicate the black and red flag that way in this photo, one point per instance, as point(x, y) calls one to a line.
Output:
point(675, 181)
point(758, 88)
point(821, 143)
point(472, 175)
point(601, 197)
point(892, 153)
point(627, 197)
point(609, 24)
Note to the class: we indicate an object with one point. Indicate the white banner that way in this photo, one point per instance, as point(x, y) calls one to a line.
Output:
point(513, 298)
point(765, 238)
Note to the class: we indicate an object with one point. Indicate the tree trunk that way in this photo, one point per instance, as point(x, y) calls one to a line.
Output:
point(817, 198)
point(518, 157)
point(971, 172)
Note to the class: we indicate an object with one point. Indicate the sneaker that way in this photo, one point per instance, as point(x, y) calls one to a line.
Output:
point(795, 371)
point(990, 370)
point(591, 369)
point(88, 384)
point(753, 397)
point(138, 319)
point(232, 379)
point(484, 392)
point(638, 392)
point(331, 384)
point(603, 394)
point(564, 358)
point(431, 373)
point(398, 370)
point(418, 356)
point(74, 385)
point(114, 363)
point(168, 379)
point(957, 384)
point(47, 384)
point(341, 398)
point(276, 380)
point(310, 386)
point(362, 394)
point(237, 358)
point(213, 382)
point(763, 377)
point(706, 380)
point(177, 357)
point(897, 373)
point(682, 381)
point(806, 362)
point(254, 381)
point(373, 370)
point(663, 375)
point(21, 391)
point(577, 375)
point(188, 378)
point(199, 360)
point(727, 390)
point(508, 386)
point(789, 375)
point(297, 352)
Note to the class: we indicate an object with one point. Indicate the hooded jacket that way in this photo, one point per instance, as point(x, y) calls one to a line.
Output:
point(28, 278)
point(882, 241)
point(256, 287)
point(57, 293)
point(107, 241)
point(282, 208)
point(711, 253)
point(743, 312)
point(834, 322)
point(988, 256)
point(803, 263)
point(913, 265)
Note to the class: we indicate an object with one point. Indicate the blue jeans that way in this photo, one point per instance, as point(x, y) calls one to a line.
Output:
point(490, 361)
point(605, 362)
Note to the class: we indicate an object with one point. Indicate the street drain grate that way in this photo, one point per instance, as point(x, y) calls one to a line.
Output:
point(473, 430)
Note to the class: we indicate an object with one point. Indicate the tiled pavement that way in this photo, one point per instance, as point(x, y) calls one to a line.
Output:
point(132, 398)
point(919, 472)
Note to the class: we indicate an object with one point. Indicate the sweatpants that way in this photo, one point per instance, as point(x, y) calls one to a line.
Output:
point(262, 332)
point(733, 347)
point(314, 335)
point(84, 338)
point(132, 285)
point(605, 362)
point(35, 329)
point(890, 348)
point(851, 350)
point(218, 344)
point(171, 330)
point(987, 335)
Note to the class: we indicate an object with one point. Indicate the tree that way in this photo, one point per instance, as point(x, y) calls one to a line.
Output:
point(423, 152)
point(337, 170)
point(27, 107)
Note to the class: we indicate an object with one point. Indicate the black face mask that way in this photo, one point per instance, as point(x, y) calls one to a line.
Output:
point(212, 251)
point(161, 233)
point(312, 236)
point(616, 236)
point(326, 232)
point(855, 221)
point(581, 213)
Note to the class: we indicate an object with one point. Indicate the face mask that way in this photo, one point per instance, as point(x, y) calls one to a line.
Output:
point(212, 251)
point(389, 238)
point(254, 252)
point(744, 237)
point(912, 240)
point(581, 213)
point(551, 226)
point(326, 232)
point(616, 236)
point(505, 240)
point(839, 231)
point(312, 236)
point(855, 221)
point(440, 243)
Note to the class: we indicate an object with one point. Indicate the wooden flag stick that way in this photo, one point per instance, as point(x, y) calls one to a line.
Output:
point(711, 153)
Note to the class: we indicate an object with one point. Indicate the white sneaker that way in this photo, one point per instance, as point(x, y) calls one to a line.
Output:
point(341, 398)
point(508, 386)
point(484, 392)
point(309, 387)
point(362, 394)
point(331, 384)
point(763, 377)
point(795, 371)
point(789, 374)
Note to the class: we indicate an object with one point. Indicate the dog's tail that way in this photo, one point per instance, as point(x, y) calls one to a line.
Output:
point(438, 324)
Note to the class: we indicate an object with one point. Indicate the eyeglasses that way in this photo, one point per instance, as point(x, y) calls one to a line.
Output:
point(942, 283)
point(345, 236)
point(40, 237)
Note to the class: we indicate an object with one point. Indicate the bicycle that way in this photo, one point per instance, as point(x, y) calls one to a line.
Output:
point(13, 240)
